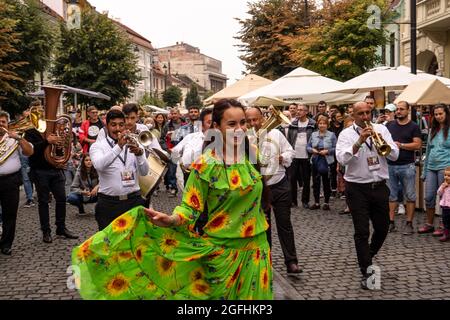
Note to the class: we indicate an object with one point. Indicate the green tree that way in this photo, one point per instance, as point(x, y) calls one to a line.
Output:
point(340, 44)
point(34, 48)
point(150, 99)
point(172, 96)
point(265, 53)
point(192, 97)
point(98, 57)
point(8, 40)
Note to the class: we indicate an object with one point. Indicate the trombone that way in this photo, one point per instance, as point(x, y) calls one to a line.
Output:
point(378, 141)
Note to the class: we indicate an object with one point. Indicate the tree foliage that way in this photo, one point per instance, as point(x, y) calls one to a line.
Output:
point(339, 44)
point(8, 39)
point(192, 97)
point(99, 57)
point(265, 53)
point(31, 54)
point(172, 96)
point(151, 100)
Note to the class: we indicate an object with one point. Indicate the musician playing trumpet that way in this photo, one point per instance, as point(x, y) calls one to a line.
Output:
point(118, 164)
point(363, 149)
point(10, 178)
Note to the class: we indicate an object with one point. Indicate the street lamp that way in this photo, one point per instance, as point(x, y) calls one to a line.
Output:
point(165, 77)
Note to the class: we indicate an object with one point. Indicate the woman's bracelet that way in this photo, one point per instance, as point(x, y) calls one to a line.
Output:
point(174, 220)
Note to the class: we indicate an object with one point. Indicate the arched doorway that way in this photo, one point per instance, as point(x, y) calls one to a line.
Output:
point(427, 61)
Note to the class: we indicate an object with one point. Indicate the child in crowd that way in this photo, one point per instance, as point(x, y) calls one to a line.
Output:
point(444, 193)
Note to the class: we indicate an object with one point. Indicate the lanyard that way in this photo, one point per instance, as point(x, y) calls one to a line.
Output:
point(124, 161)
point(359, 134)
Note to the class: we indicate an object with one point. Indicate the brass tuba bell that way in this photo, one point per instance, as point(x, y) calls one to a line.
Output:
point(277, 118)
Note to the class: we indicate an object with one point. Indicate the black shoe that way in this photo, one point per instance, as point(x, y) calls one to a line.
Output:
point(293, 205)
point(326, 206)
point(293, 268)
point(364, 283)
point(47, 237)
point(6, 251)
point(344, 212)
point(66, 234)
point(305, 205)
point(315, 206)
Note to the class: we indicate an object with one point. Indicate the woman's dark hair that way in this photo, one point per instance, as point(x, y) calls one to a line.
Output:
point(435, 126)
point(217, 115)
point(83, 170)
point(157, 126)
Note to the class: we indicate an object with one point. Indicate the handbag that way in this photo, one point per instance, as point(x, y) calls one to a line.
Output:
point(320, 164)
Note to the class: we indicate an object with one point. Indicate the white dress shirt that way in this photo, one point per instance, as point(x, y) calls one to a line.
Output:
point(107, 161)
point(272, 146)
point(12, 164)
point(356, 165)
point(189, 149)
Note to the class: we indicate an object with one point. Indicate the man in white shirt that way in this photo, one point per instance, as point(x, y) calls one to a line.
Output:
point(118, 166)
point(365, 183)
point(276, 156)
point(190, 148)
point(10, 178)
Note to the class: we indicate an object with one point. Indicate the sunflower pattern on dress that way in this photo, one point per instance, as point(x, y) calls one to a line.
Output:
point(134, 259)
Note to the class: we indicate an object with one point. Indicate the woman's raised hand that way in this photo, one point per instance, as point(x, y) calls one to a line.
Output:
point(160, 219)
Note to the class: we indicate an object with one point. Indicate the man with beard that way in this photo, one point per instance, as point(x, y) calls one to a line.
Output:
point(402, 172)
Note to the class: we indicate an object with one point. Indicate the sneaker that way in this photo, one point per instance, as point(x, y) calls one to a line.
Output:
point(172, 193)
point(401, 209)
point(438, 232)
point(392, 227)
point(427, 228)
point(445, 236)
point(408, 230)
point(29, 204)
point(326, 206)
point(315, 206)
point(343, 197)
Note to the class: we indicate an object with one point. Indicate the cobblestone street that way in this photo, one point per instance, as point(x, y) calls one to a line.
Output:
point(412, 267)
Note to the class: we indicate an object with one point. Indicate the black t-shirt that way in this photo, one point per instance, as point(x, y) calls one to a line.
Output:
point(37, 159)
point(403, 134)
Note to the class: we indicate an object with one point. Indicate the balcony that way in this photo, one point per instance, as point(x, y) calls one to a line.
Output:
point(433, 15)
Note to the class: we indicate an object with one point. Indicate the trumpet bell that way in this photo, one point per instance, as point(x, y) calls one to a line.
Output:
point(145, 138)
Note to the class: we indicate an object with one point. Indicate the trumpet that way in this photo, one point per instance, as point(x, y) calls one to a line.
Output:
point(378, 141)
point(144, 138)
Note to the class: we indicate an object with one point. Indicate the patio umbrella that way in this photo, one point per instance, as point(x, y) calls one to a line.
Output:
point(93, 94)
point(269, 101)
point(241, 87)
point(383, 78)
point(425, 92)
point(300, 86)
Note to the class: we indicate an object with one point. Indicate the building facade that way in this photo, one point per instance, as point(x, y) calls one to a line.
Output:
point(184, 59)
point(433, 36)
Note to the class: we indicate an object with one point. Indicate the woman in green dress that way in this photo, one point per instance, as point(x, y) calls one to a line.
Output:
point(145, 254)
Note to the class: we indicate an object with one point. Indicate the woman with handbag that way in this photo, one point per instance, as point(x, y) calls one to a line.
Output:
point(322, 146)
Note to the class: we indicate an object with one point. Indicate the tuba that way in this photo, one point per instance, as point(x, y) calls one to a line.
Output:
point(378, 141)
point(35, 120)
point(57, 155)
point(277, 118)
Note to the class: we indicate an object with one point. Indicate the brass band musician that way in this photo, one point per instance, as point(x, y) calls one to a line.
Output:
point(363, 148)
point(10, 179)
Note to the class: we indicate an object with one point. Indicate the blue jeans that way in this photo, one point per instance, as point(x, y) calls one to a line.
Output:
point(77, 200)
point(170, 179)
point(403, 178)
point(433, 180)
point(25, 169)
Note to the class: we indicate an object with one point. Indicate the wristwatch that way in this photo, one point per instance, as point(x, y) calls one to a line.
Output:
point(401, 145)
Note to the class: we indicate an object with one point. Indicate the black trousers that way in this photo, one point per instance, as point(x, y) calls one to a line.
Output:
point(300, 172)
point(9, 200)
point(316, 185)
point(107, 209)
point(46, 181)
point(280, 201)
point(333, 175)
point(368, 203)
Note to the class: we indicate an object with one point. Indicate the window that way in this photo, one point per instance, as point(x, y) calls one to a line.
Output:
point(392, 50)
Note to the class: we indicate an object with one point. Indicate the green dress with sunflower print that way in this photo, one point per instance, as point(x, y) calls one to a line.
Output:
point(134, 259)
